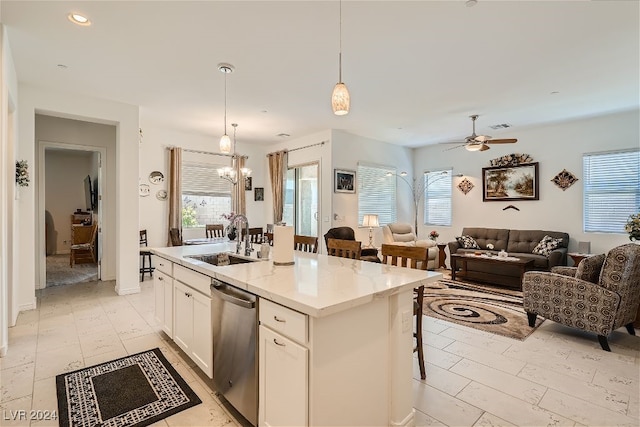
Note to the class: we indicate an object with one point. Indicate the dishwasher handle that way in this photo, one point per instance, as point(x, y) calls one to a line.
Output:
point(220, 289)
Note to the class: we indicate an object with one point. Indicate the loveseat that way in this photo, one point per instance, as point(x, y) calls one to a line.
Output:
point(401, 233)
point(517, 243)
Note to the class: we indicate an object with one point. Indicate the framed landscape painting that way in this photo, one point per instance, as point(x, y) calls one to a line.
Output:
point(506, 183)
point(344, 181)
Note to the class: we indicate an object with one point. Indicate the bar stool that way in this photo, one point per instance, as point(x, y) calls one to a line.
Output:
point(145, 254)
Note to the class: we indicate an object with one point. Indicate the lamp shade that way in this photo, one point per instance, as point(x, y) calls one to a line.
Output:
point(340, 99)
point(225, 144)
point(370, 220)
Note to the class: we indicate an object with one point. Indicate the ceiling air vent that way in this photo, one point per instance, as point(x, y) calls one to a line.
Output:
point(500, 126)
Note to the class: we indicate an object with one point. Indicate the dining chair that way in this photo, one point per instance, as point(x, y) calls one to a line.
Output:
point(344, 248)
point(256, 234)
point(145, 254)
point(305, 243)
point(411, 257)
point(176, 239)
point(83, 248)
point(214, 230)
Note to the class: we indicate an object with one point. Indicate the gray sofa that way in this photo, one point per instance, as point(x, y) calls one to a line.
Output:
point(517, 243)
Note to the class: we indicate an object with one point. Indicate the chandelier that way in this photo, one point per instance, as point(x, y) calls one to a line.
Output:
point(229, 172)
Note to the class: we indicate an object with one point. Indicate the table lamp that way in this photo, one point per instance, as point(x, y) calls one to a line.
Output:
point(370, 221)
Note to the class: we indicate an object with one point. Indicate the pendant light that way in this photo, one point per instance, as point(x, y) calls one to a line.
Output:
point(340, 99)
point(225, 141)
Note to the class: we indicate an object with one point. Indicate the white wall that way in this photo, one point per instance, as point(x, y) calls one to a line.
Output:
point(347, 151)
point(8, 259)
point(65, 171)
point(154, 216)
point(555, 147)
point(125, 118)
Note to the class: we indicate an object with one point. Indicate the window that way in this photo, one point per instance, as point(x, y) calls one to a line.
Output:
point(205, 196)
point(376, 192)
point(437, 197)
point(611, 190)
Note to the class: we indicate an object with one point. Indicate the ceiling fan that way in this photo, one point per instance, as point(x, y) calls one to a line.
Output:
point(480, 142)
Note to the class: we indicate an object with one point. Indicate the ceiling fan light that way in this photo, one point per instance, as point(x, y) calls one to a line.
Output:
point(225, 144)
point(340, 99)
point(474, 147)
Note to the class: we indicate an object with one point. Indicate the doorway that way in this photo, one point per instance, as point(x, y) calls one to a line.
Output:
point(301, 199)
point(70, 209)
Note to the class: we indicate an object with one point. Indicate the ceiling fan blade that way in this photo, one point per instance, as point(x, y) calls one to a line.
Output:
point(451, 148)
point(502, 141)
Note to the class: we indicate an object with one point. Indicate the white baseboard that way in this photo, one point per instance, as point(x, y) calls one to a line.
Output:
point(127, 291)
point(28, 306)
point(3, 351)
point(409, 420)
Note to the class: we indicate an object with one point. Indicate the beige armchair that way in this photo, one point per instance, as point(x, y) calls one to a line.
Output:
point(402, 234)
point(601, 307)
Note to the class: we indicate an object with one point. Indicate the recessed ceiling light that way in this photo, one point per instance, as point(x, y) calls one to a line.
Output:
point(283, 135)
point(555, 92)
point(62, 66)
point(471, 3)
point(79, 19)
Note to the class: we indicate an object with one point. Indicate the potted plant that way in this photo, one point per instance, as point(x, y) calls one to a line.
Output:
point(633, 227)
point(231, 228)
point(434, 235)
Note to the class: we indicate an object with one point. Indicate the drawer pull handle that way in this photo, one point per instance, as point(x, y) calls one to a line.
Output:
point(279, 320)
point(160, 278)
point(277, 343)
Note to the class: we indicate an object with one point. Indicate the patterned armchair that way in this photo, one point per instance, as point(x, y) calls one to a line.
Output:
point(601, 307)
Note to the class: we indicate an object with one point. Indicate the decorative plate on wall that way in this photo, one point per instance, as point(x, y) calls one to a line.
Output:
point(144, 190)
point(156, 177)
point(564, 179)
point(465, 186)
point(161, 195)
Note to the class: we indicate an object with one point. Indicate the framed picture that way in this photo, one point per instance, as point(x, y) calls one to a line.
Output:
point(247, 184)
point(344, 181)
point(504, 183)
point(258, 194)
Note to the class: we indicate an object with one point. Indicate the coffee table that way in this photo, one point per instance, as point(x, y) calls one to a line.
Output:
point(518, 265)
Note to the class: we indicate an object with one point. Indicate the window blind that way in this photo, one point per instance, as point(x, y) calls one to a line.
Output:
point(376, 193)
point(437, 197)
point(201, 179)
point(611, 190)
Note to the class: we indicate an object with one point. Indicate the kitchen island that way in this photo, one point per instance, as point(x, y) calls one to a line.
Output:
point(335, 335)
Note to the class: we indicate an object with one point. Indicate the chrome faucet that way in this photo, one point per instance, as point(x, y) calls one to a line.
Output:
point(247, 239)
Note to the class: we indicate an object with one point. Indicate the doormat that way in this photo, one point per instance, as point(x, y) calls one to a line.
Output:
point(487, 308)
point(136, 390)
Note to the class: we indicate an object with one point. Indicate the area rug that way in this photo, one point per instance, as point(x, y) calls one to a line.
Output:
point(59, 272)
point(136, 390)
point(487, 308)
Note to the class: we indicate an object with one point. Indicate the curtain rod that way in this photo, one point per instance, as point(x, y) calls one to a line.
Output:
point(301, 148)
point(188, 150)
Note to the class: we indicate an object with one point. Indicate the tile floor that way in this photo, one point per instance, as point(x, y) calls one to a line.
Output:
point(557, 376)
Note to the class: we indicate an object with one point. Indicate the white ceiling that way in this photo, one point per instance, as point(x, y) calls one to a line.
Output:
point(416, 70)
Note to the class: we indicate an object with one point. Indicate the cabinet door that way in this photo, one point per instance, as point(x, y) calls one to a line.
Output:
point(183, 316)
point(284, 387)
point(167, 325)
point(158, 294)
point(202, 345)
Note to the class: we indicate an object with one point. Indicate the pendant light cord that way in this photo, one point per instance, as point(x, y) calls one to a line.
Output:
point(225, 103)
point(340, 47)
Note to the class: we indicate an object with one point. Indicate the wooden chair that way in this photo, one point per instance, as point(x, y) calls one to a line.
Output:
point(344, 248)
point(268, 238)
point(214, 230)
point(305, 243)
point(145, 254)
point(256, 235)
point(176, 239)
point(412, 257)
point(83, 248)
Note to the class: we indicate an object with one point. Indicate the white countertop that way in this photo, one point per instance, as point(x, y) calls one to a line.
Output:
point(317, 285)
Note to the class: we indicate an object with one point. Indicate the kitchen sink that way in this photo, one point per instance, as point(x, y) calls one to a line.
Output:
point(220, 259)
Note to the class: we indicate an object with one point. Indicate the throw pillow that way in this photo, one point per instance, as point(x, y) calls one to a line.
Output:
point(467, 242)
point(589, 268)
point(546, 245)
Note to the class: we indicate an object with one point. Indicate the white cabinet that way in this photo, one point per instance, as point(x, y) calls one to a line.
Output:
point(283, 368)
point(192, 329)
point(163, 294)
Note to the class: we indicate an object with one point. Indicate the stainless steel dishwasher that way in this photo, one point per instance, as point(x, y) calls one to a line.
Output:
point(234, 347)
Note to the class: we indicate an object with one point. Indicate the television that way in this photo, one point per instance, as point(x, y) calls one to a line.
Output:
point(88, 194)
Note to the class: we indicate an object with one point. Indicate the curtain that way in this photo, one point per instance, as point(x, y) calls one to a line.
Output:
point(175, 191)
point(277, 169)
point(240, 189)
